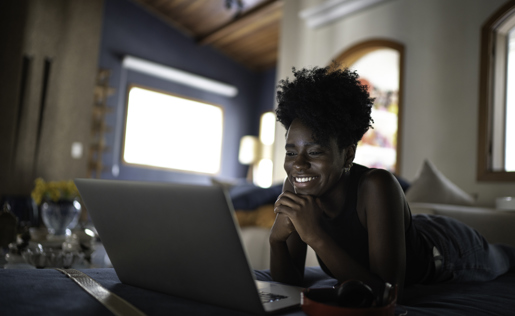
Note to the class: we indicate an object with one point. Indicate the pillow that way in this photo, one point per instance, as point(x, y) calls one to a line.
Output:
point(228, 184)
point(263, 216)
point(431, 186)
point(246, 195)
point(251, 197)
point(403, 183)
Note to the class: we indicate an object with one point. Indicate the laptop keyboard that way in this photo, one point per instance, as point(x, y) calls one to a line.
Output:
point(269, 297)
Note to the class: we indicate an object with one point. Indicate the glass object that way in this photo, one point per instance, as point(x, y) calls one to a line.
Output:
point(24, 208)
point(53, 258)
point(60, 216)
point(8, 225)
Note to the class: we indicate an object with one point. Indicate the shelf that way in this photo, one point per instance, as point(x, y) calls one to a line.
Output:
point(98, 127)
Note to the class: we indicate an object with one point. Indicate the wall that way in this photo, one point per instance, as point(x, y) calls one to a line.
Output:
point(128, 29)
point(442, 41)
point(42, 118)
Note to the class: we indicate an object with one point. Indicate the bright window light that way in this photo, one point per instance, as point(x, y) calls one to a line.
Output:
point(509, 138)
point(249, 150)
point(380, 70)
point(166, 131)
point(263, 173)
point(267, 128)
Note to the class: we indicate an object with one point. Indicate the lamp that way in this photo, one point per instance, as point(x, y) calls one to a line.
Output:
point(258, 152)
point(249, 150)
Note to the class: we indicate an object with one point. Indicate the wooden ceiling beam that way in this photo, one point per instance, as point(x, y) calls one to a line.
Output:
point(251, 47)
point(263, 55)
point(246, 34)
point(269, 32)
point(245, 21)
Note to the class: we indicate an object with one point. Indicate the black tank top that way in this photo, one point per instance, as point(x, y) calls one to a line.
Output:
point(347, 230)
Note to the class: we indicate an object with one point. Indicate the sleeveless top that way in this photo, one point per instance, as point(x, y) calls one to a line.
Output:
point(347, 230)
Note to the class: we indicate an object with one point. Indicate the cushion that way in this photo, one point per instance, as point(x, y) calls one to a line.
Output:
point(431, 186)
point(263, 216)
point(253, 205)
point(403, 183)
point(250, 197)
point(228, 184)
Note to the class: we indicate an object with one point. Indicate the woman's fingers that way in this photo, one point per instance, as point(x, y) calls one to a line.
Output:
point(282, 228)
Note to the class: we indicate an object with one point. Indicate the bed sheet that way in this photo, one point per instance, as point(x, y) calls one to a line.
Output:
point(49, 292)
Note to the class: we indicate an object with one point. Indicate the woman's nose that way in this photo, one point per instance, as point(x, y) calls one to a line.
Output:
point(301, 163)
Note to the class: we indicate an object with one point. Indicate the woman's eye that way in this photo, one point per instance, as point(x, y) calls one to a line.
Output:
point(315, 153)
point(289, 154)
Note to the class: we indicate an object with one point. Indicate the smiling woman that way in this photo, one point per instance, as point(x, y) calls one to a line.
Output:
point(163, 131)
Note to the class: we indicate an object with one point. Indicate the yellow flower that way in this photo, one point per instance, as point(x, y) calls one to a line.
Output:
point(53, 190)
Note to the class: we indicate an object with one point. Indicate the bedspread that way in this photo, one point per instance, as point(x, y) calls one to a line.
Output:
point(49, 292)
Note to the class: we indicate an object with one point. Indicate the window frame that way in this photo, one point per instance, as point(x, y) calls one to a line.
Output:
point(487, 93)
point(355, 52)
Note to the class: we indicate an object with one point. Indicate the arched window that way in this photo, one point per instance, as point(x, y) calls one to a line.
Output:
point(496, 139)
point(379, 65)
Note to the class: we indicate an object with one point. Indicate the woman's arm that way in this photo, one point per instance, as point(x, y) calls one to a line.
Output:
point(381, 208)
point(382, 201)
point(287, 250)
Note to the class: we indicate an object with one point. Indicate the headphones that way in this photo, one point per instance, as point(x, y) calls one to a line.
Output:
point(355, 293)
point(350, 297)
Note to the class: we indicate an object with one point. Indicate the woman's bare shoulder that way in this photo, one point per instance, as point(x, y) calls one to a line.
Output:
point(378, 179)
point(380, 194)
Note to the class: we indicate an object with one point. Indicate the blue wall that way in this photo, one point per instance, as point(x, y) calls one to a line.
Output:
point(130, 30)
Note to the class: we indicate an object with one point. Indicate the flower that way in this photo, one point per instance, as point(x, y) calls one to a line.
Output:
point(53, 190)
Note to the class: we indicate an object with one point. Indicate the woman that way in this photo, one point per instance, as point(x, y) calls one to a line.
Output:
point(357, 219)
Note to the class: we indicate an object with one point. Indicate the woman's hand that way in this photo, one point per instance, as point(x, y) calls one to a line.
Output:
point(304, 213)
point(282, 228)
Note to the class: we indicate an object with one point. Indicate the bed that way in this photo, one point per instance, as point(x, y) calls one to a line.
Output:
point(49, 292)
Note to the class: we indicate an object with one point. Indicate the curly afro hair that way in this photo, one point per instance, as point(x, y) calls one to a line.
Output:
point(330, 101)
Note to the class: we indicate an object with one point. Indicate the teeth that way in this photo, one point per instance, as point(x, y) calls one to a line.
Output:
point(306, 179)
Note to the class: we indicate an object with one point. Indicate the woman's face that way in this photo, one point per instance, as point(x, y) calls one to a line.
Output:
point(312, 169)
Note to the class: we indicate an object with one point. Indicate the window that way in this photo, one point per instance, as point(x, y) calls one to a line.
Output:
point(509, 123)
point(496, 141)
point(167, 131)
point(378, 63)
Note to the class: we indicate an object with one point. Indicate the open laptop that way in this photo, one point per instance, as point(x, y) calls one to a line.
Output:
point(181, 240)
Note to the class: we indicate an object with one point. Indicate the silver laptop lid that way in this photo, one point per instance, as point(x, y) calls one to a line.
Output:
point(173, 238)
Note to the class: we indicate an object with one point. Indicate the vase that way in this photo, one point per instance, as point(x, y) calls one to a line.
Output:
point(60, 216)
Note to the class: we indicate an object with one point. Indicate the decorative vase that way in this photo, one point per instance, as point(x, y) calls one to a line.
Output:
point(60, 216)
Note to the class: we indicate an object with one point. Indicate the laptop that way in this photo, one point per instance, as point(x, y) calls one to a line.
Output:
point(181, 240)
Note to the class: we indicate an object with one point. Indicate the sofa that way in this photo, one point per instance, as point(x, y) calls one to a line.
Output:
point(497, 226)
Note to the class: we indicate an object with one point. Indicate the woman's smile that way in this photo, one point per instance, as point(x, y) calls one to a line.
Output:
point(304, 179)
point(301, 184)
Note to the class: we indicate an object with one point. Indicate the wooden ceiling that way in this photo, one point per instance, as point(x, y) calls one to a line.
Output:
point(249, 34)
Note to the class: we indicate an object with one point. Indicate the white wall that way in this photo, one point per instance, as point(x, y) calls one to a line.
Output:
point(441, 77)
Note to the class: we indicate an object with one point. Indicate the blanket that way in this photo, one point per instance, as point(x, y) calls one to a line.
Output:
point(49, 292)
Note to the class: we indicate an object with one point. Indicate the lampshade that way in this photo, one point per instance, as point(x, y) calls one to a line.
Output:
point(267, 128)
point(249, 150)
